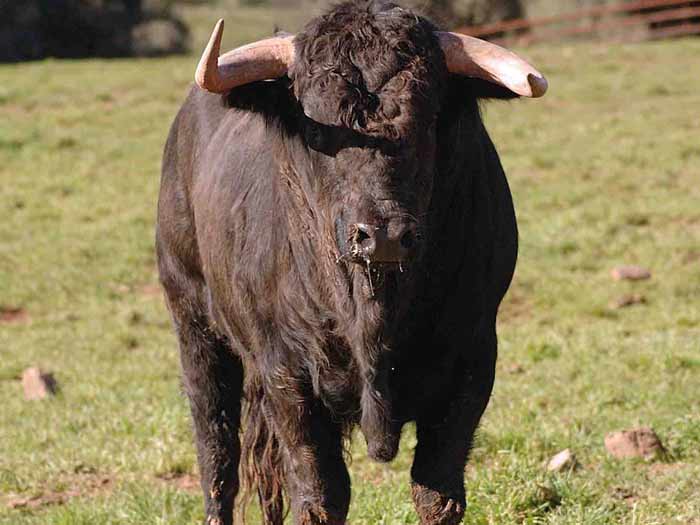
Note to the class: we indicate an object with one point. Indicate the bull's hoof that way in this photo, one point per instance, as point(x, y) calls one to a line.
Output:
point(435, 508)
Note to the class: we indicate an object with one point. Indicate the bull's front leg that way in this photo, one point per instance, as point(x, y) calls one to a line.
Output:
point(316, 478)
point(213, 379)
point(445, 438)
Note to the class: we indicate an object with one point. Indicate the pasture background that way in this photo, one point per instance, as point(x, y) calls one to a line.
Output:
point(604, 171)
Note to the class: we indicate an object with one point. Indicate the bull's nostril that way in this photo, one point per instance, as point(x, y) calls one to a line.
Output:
point(408, 240)
point(363, 240)
point(361, 236)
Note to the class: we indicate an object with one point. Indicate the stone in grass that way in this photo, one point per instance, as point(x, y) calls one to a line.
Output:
point(630, 273)
point(635, 443)
point(564, 460)
point(37, 384)
point(628, 300)
point(515, 368)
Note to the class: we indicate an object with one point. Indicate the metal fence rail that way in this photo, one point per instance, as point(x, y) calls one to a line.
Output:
point(630, 20)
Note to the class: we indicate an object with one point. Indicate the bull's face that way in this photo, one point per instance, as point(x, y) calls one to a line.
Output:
point(373, 152)
point(370, 94)
point(379, 189)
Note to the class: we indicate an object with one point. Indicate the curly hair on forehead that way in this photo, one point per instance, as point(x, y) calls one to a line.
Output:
point(369, 65)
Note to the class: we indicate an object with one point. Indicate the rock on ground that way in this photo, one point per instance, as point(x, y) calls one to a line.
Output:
point(564, 460)
point(636, 443)
point(630, 273)
point(37, 384)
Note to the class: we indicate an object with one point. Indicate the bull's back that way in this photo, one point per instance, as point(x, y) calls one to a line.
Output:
point(196, 122)
point(217, 193)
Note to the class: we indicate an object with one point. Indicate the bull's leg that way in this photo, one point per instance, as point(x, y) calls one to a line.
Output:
point(316, 478)
point(213, 379)
point(445, 439)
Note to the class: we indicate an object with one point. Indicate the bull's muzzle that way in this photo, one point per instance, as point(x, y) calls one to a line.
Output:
point(395, 243)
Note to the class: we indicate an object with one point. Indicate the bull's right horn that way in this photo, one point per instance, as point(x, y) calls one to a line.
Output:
point(261, 60)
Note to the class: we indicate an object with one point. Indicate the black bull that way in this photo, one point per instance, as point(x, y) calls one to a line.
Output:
point(277, 201)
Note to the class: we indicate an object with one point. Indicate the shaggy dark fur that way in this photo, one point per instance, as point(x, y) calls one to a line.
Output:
point(286, 340)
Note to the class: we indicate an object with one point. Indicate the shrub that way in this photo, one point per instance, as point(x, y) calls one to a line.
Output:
point(34, 29)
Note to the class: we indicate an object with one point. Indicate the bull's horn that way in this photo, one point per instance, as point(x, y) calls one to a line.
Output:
point(472, 57)
point(262, 60)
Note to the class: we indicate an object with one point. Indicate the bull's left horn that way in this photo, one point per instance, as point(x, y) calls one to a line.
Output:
point(261, 60)
point(473, 57)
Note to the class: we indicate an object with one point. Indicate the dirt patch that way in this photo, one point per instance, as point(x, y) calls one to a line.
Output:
point(627, 301)
point(180, 481)
point(515, 307)
point(151, 290)
point(514, 369)
point(625, 494)
point(84, 486)
point(13, 315)
point(664, 469)
point(148, 290)
point(691, 257)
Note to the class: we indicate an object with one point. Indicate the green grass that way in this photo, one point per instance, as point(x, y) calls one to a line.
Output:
point(604, 171)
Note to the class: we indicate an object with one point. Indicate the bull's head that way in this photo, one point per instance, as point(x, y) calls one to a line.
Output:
point(370, 93)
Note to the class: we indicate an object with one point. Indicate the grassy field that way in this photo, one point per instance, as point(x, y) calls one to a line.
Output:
point(604, 171)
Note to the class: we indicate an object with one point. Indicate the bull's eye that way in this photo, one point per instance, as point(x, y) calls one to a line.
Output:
point(408, 240)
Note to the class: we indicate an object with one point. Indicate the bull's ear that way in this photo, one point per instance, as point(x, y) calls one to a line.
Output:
point(488, 90)
point(478, 88)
